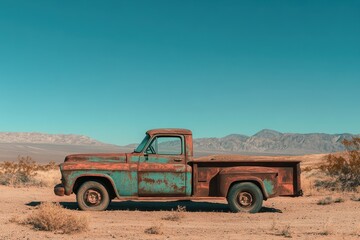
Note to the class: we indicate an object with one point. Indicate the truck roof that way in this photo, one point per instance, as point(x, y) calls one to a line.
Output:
point(169, 130)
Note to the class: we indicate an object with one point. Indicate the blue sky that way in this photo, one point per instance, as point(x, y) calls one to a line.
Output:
point(113, 69)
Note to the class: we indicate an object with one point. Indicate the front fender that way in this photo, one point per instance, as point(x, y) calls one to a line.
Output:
point(72, 177)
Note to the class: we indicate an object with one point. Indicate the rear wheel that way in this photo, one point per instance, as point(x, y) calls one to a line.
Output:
point(92, 196)
point(245, 197)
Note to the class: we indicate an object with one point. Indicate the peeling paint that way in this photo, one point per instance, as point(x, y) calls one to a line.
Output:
point(269, 186)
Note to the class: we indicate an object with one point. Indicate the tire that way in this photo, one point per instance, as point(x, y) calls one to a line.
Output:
point(92, 196)
point(245, 197)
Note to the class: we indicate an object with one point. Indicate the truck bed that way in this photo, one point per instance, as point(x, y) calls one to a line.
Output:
point(208, 173)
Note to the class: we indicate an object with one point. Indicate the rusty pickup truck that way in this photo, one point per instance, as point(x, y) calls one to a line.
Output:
point(162, 167)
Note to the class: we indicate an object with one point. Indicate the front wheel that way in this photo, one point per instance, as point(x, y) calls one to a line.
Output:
point(92, 196)
point(245, 197)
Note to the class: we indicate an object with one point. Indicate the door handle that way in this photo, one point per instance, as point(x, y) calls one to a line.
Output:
point(177, 160)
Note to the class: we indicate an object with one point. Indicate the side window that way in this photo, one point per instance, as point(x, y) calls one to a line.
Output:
point(165, 146)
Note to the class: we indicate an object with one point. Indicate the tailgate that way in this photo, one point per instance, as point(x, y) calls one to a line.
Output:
point(289, 180)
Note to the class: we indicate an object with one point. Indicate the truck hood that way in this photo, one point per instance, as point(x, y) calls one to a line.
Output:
point(97, 157)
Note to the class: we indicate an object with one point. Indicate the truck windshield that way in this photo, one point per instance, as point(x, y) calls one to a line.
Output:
point(142, 144)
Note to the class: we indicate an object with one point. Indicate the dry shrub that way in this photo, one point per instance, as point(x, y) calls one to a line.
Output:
point(53, 217)
point(47, 178)
point(273, 225)
point(23, 172)
point(355, 198)
point(330, 200)
point(156, 230)
point(285, 232)
point(327, 229)
point(344, 171)
point(325, 201)
point(176, 215)
point(339, 200)
point(356, 231)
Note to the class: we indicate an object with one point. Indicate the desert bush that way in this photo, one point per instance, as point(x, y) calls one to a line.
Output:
point(344, 171)
point(325, 201)
point(330, 200)
point(175, 215)
point(285, 232)
point(339, 200)
point(356, 231)
point(327, 230)
point(355, 198)
point(53, 217)
point(154, 230)
point(23, 171)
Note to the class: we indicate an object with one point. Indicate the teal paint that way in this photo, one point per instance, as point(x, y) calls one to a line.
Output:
point(99, 159)
point(73, 175)
point(126, 183)
point(162, 183)
point(188, 184)
point(157, 160)
point(269, 187)
point(134, 159)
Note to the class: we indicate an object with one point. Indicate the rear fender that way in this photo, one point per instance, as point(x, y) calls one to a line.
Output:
point(265, 178)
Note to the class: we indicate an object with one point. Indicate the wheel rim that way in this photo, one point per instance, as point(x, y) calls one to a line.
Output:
point(245, 199)
point(92, 197)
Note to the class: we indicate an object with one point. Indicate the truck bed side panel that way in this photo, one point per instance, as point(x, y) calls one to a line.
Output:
point(208, 183)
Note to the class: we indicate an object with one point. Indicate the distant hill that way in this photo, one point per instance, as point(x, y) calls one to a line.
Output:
point(44, 138)
point(273, 142)
point(45, 147)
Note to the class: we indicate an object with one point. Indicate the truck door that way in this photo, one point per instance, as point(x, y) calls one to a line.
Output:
point(162, 168)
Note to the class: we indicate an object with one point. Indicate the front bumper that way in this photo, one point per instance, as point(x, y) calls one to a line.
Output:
point(59, 190)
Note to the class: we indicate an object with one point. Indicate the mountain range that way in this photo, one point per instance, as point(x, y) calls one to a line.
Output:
point(44, 138)
point(272, 142)
point(45, 147)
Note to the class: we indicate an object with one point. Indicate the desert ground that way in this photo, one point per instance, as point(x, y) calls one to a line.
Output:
point(280, 218)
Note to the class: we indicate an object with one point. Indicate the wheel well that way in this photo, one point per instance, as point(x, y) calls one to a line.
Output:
point(254, 182)
point(102, 180)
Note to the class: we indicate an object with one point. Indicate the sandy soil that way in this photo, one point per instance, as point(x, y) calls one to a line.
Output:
point(202, 220)
point(299, 218)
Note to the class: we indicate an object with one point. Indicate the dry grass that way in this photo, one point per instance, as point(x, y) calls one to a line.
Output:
point(24, 172)
point(53, 217)
point(327, 229)
point(175, 215)
point(325, 201)
point(339, 200)
point(273, 225)
point(156, 230)
point(47, 178)
point(356, 231)
point(285, 232)
point(355, 198)
point(330, 200)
